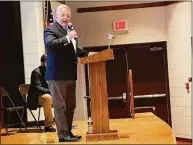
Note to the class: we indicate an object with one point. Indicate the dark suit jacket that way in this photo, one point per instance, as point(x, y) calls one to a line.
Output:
point(61, 56)
point(38, 87)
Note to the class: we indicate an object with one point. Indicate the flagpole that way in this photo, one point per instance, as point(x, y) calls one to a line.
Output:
point(45, 13)
point(43, 7)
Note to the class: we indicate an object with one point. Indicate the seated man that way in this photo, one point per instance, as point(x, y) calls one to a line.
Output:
point(40, 94)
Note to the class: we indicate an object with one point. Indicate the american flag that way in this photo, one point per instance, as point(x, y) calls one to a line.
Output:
point(48, 15)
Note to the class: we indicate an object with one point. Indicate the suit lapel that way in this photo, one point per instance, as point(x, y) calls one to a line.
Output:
point(59, 30)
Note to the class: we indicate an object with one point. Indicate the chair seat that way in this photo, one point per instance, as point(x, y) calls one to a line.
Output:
point(12, 108)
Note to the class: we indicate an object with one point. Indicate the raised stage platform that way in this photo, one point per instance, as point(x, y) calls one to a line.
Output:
point(145, 129)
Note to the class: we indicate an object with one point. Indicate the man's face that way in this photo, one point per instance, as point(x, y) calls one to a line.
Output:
point(44, 64)
point(63, 16)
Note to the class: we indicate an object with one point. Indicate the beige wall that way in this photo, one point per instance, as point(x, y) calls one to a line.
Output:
point(145, 25)
point(32, 26)
point(170, 23)
point(178, 19)
point(32, 35)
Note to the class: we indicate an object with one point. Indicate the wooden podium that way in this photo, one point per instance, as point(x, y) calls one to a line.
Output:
point(99, 96)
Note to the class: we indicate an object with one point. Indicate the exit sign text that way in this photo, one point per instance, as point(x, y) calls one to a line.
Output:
point(120, 25)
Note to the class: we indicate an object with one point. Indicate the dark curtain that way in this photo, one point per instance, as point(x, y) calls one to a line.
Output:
point(11, 52)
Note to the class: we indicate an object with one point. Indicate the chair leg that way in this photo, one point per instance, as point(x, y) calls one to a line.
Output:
point(38, 126)
point(39, 114)
point(21, 119)
point(7, 126)
point(6, 129)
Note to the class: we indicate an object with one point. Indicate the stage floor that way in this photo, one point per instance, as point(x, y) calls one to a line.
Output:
point(145, 129)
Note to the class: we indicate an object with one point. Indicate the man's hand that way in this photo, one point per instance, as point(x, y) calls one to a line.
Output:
point(72, 34)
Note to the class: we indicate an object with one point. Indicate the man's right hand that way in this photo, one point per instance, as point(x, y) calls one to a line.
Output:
point(72, 34)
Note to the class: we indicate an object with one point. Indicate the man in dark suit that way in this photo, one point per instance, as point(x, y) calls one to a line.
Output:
point(61, 43)
point(40, 94)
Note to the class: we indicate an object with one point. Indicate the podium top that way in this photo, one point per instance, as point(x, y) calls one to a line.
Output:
point(98, 57)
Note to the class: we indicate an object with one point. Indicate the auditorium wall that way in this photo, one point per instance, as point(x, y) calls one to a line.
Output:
point(169, 23)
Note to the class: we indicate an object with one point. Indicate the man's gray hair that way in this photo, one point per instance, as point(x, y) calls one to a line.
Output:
point(60, 7)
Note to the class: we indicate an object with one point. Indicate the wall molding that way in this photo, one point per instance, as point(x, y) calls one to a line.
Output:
point(126, 6)
point(184, 139)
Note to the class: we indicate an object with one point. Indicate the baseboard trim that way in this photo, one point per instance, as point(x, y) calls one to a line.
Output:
point(184, 139)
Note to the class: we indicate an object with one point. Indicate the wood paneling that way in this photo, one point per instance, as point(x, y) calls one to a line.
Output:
point(186, 141)
point(146, 88)
point(102, 56)
point(99, 96)
point(116, 90)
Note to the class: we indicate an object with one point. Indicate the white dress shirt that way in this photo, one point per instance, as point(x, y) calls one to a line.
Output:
point(73, 40)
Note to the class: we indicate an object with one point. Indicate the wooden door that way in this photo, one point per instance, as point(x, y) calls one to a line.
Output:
point(149, 67)
point(116, 83)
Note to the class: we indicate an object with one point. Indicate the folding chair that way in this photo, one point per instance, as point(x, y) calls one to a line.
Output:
point(23, 89)
point(11, 108)
point(130, 97)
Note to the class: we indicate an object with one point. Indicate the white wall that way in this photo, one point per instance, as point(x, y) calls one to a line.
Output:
point(32, 35)
point(171, 23)
point(32, 26)
point(145, 25)
point(178, 19)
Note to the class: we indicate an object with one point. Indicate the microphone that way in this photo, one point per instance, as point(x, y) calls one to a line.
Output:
point(70, 27)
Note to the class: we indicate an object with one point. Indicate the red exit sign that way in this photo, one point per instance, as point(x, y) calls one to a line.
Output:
point(120, 25)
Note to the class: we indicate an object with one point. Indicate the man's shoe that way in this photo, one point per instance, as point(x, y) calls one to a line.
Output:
point(74, 126)
point(68, 139)
point(75, 136)
point(49, 129)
